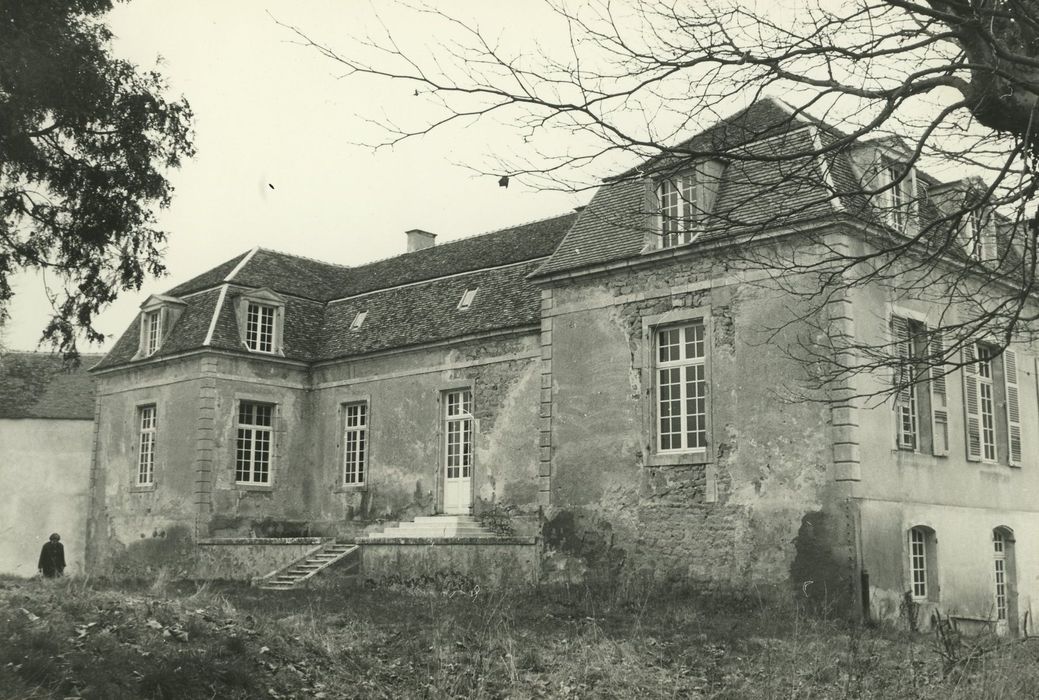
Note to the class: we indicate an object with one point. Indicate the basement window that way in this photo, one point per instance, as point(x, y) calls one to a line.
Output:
point(467, 299)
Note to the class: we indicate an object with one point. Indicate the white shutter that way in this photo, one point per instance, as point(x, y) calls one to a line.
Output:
point(971, 402)
point(939, 397)
point(905, 435)
point(1013, 406)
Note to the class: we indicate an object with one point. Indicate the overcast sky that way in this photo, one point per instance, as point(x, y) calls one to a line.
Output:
point(274, 131)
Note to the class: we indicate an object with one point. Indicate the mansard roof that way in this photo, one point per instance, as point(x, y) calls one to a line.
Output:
point(411, 299)
point(40, 385)
point(774, 177)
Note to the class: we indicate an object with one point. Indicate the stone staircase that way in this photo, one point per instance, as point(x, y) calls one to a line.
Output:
point(426, 526)
point(296, 574)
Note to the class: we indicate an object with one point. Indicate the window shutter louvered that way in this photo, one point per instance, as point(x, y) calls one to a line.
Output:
point(971, 403)
point(905, 433)
point(939, 397)
point(1013, 406)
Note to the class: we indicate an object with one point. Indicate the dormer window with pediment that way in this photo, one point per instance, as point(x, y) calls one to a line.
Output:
point(158, 315)
point(685, 200)
point(261, 319)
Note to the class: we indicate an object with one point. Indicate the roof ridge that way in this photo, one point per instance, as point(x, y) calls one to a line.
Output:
point(40, 353)
point(299, 257)
point(462, 239)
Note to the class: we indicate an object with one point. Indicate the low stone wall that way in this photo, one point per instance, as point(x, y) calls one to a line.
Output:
point(503, 562)
point(246, 558)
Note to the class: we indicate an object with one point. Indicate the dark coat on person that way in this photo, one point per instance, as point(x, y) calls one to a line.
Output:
point(52, 559)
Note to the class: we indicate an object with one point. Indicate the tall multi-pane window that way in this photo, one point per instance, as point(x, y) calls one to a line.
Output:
point(986, 404)
point(146, 445)
point(253, 444)
point(685, 201)
point(355, 442)
point(681, 355)
point(918, 562)
point(999, 547)
point(899, 196)
point(677, 212)
point(459, 434)
point(152, 331)
point(259, 327)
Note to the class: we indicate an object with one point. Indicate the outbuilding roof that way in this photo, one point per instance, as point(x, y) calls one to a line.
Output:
point(40, 385)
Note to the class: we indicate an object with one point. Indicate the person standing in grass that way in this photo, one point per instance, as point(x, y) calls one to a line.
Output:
point(52, 557)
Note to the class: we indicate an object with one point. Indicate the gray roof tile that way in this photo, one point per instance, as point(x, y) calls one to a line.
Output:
point(40, 385)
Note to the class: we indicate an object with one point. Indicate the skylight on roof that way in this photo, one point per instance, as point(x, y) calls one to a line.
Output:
point(467, 299)
point(358, 320)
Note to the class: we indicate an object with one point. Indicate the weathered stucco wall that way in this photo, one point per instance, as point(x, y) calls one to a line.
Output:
point(962, 501)
point(763, 510)
point(136, 530)
point(242, 560)
point(44, 485)
point(405, 441)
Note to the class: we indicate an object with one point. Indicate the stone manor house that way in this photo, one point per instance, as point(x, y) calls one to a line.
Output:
point(606, 382)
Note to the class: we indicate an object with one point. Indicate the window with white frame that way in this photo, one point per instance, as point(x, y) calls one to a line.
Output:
point(681, 374)
point(146, 445)
point(152, 332)
point(918, 562)
point(898, 200)
point(254, 441)
point(1000, 552)
point(684, 202)
point(259, 327)
point(261, 320)
point(992, 435)
point(986, 404)
point(978, 235)
point(921, 408)
point(923, 564)
point(355, 442)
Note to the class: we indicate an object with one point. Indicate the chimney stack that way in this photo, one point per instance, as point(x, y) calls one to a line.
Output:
point(420, 240)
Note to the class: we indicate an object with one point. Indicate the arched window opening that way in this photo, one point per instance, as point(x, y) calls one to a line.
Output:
point(923, 564)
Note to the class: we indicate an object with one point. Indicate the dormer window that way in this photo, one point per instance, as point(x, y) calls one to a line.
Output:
point(158, 315)
point(358, 320)
point(978, 235)
point(152, 331)
point(259, 327)
point(261, 318)
point(684, 202)
point(898, 198)
point(467, 299)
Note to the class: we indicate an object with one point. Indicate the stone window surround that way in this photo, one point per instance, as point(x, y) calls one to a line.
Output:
point(261, 297)
point(650, 456)
point(277, 433)
point(135, 456)
point(342, 401)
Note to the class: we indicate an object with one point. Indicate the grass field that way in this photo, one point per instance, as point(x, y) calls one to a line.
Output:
point(76, 638)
